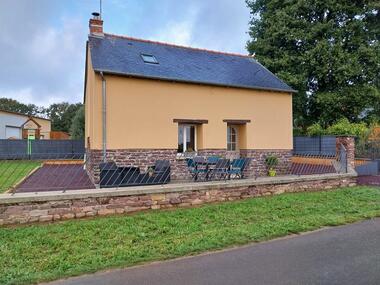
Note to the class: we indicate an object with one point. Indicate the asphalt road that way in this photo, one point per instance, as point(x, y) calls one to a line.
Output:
point(340, 255)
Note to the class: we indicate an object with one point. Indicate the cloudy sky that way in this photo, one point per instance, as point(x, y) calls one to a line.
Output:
point(42, 42)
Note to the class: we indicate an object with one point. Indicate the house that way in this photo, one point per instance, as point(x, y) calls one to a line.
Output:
point(15, 125)
point(148, 100)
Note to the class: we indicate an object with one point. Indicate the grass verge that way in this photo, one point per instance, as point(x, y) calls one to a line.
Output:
point(36, 253)
point(13, 171)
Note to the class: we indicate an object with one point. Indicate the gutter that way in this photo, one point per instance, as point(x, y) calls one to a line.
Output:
point(104, 117)
point(133, 75)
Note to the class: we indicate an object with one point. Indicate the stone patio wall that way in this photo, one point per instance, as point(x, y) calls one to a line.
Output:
point(26, 208)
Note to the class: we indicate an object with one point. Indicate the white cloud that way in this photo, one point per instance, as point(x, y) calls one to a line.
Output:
point(176, 33)
point(46, 64)
point(27, 96)
point(24, 95)
point(43, 42)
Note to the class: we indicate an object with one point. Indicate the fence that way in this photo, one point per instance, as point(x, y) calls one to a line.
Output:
point(50, 174)
point(367, 168)
point(320, 145)
point(41, 149)
point(370, 150)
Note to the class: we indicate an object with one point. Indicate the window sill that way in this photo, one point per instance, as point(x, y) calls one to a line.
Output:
point(184, 155)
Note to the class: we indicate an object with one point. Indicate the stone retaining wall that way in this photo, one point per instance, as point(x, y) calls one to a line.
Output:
point(55, 206)
point(257, 167)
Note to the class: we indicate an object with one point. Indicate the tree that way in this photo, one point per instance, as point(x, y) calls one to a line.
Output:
point(61, 115)
point(326, 49)
point(15, 106)
point(77, 126)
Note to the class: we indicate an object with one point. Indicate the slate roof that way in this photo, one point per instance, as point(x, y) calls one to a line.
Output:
point(122, 55)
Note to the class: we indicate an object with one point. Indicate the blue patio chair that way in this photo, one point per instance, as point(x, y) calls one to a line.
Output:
point(212, 159)
point(196, 166)
point(211, 162)
point(220, 170)
point(237, 168)
point(191, 166)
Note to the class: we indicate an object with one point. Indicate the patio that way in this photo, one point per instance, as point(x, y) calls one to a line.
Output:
point(64, 172)
point(64, 175)
point(54, 177)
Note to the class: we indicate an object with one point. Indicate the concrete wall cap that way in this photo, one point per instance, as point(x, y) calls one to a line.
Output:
point(16, 198)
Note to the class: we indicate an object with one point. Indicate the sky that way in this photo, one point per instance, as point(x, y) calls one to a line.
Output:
point(42, 42)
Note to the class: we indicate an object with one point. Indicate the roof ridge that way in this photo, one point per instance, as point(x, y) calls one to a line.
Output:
point(23, 114)
point(178, 46)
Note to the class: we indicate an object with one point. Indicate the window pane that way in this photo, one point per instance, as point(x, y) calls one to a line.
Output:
point(190, 138)
point(231, 138)
point(148, 58)
point(180, 138)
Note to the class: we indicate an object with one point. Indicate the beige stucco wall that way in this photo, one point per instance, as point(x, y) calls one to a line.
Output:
point(140, 114)
point(45, 125)
point(93, 107)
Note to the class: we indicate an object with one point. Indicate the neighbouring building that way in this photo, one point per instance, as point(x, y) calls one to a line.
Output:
point(19, 126)
point(148, 100)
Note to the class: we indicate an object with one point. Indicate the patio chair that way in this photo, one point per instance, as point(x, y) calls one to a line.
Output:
point(212, 159)
point(201, 167)
point(211, 162)
point(237, 168)
point(129, 175)
point(161, 172)
point(109, 174)
point(191, 167)
point(221, 169)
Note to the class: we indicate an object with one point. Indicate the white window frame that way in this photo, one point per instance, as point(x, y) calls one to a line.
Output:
point(229, 137)
point(185, 136)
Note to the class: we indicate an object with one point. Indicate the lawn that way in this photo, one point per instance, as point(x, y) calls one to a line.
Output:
point(13, 171)
point(35, 253)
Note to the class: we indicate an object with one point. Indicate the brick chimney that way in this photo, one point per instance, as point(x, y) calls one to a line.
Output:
point(96, 25)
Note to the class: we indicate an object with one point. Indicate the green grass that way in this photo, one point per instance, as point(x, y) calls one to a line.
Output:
point(12, 171)
point(37, 253)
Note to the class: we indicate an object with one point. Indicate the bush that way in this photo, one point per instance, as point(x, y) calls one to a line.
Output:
point(271, 161)
point(341, 127)
point(297, 131)
point(344, 127)
point(315, 130)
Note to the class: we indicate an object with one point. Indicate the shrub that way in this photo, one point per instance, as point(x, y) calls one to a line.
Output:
point(344, 127)
point(315, 130)
point(297, 131)
point(341, 127)
point(271, 161)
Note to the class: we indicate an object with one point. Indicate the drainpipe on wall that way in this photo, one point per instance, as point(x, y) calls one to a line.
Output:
point(104, 118)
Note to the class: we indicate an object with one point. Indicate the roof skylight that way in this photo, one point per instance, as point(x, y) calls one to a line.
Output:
point(148, 58)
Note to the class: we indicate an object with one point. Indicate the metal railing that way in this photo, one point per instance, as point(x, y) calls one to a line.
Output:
point(53, 172)
point(370, 150)
point(319, 164)
point(58, 172)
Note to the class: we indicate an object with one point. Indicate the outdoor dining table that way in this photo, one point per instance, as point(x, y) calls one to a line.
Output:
point(203, 162)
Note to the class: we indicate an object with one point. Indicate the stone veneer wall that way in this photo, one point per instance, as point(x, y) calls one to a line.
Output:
point(19, 209)
point(257, 165)
point(142, 158)
point(146, 157)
